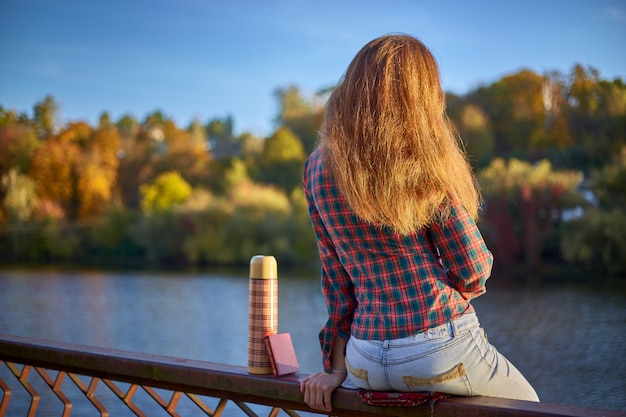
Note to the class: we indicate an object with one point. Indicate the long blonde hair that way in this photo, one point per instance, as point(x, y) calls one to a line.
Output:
point(391, 147)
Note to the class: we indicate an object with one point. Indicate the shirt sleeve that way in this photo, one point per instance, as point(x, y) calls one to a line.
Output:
point(463, 253)
point(337, 289)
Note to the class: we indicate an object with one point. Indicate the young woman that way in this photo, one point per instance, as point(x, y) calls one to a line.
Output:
point(393, 203)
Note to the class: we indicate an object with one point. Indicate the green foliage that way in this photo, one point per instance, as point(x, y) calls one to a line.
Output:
point(477, 133)
point(282, 160)
point(252, 219)
point(597, 239)
point(62, 240)
point(598, 242)
point(303, 116)
point(608, 184)
point(300, 231)
point(160, 238)
point(220, 131)
point(166, 192)
point(46, 116)
point(110, 239)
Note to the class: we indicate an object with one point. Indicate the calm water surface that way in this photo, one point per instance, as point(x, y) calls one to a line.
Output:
point(568, 342)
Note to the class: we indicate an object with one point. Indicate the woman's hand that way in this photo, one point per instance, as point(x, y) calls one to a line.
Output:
point(318, 389)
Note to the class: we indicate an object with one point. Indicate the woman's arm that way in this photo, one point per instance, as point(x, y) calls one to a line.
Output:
point(463, 252)
point(319, 387)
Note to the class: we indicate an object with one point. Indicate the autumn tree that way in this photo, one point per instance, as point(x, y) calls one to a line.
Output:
point(282, 160)
point(597, 116)
point(20, 202)
point(168, 190)
point(515, 107)
point(555, 108)
point(135, 156)
point(524, 206)
point(55, 167)
point(97, 169)
point(474, 128)
point(18, 144)
point(303, 116)
point(184, 154)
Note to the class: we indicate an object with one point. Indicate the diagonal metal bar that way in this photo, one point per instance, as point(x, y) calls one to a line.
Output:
point(201, 404)
point(274, 412)
point(22, 377)
point(127, 397)
point(170, 407)
point(89, 392)
point(220, 407)
point(244, 407)
point(56, 386)
point(6, 396)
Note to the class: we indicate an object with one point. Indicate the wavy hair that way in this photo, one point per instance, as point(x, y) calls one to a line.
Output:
point(390, 146)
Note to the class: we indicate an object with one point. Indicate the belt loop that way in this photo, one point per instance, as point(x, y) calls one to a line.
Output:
point(454, 328)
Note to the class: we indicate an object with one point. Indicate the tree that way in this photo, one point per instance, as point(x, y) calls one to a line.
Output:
point(135, 157)
point(197, 133)
point(597, 115)
point(97, 170)
point(597, 240)
point(18, 144)
point(282, 160)
point(46, 116)
point(476, 132)
point(21, 199)
point(524, 206)
point(54, 170)
point(166, 192)
point(182, 153)
point(301, 115)
point(219, 131)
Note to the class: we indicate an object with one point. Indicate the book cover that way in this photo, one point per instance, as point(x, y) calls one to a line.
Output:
point(282, 354)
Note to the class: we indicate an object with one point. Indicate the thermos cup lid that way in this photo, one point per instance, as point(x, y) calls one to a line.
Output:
point(263, 267)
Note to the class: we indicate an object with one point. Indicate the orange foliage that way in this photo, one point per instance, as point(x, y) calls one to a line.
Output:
point(97, 171)
point(53, 169)
point(75, 132)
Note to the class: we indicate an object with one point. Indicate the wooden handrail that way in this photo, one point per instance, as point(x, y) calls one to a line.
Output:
point(234, 383)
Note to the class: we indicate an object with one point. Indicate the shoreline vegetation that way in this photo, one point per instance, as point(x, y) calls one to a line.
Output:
point(549, 151)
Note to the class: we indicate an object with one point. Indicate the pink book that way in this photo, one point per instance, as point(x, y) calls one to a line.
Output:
point(282, 354)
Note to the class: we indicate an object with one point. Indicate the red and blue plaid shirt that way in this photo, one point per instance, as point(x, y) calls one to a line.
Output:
point(379, 285)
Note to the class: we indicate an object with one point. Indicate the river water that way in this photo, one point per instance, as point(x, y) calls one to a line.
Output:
point(568, 342)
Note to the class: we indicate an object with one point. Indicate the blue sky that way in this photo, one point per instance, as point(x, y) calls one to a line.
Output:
point(199, 59)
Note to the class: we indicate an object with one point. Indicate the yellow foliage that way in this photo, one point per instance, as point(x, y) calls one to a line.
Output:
point(75, 132)
point(97, 172)
point(473, 117)
point(261, 197)
point(165, 192)
point(95, 189)
point(502, 177)
point(53, 171)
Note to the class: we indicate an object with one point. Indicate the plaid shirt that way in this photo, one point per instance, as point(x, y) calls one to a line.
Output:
point(379, 285)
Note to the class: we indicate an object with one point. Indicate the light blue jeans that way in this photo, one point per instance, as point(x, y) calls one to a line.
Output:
point(454, 358)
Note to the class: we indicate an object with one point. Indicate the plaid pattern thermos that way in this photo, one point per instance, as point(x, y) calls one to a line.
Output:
point(263, 312)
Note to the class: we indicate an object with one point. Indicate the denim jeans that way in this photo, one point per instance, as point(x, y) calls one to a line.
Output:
point(454, 358)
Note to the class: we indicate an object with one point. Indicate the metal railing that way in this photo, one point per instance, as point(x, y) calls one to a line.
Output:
point(166, 380)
